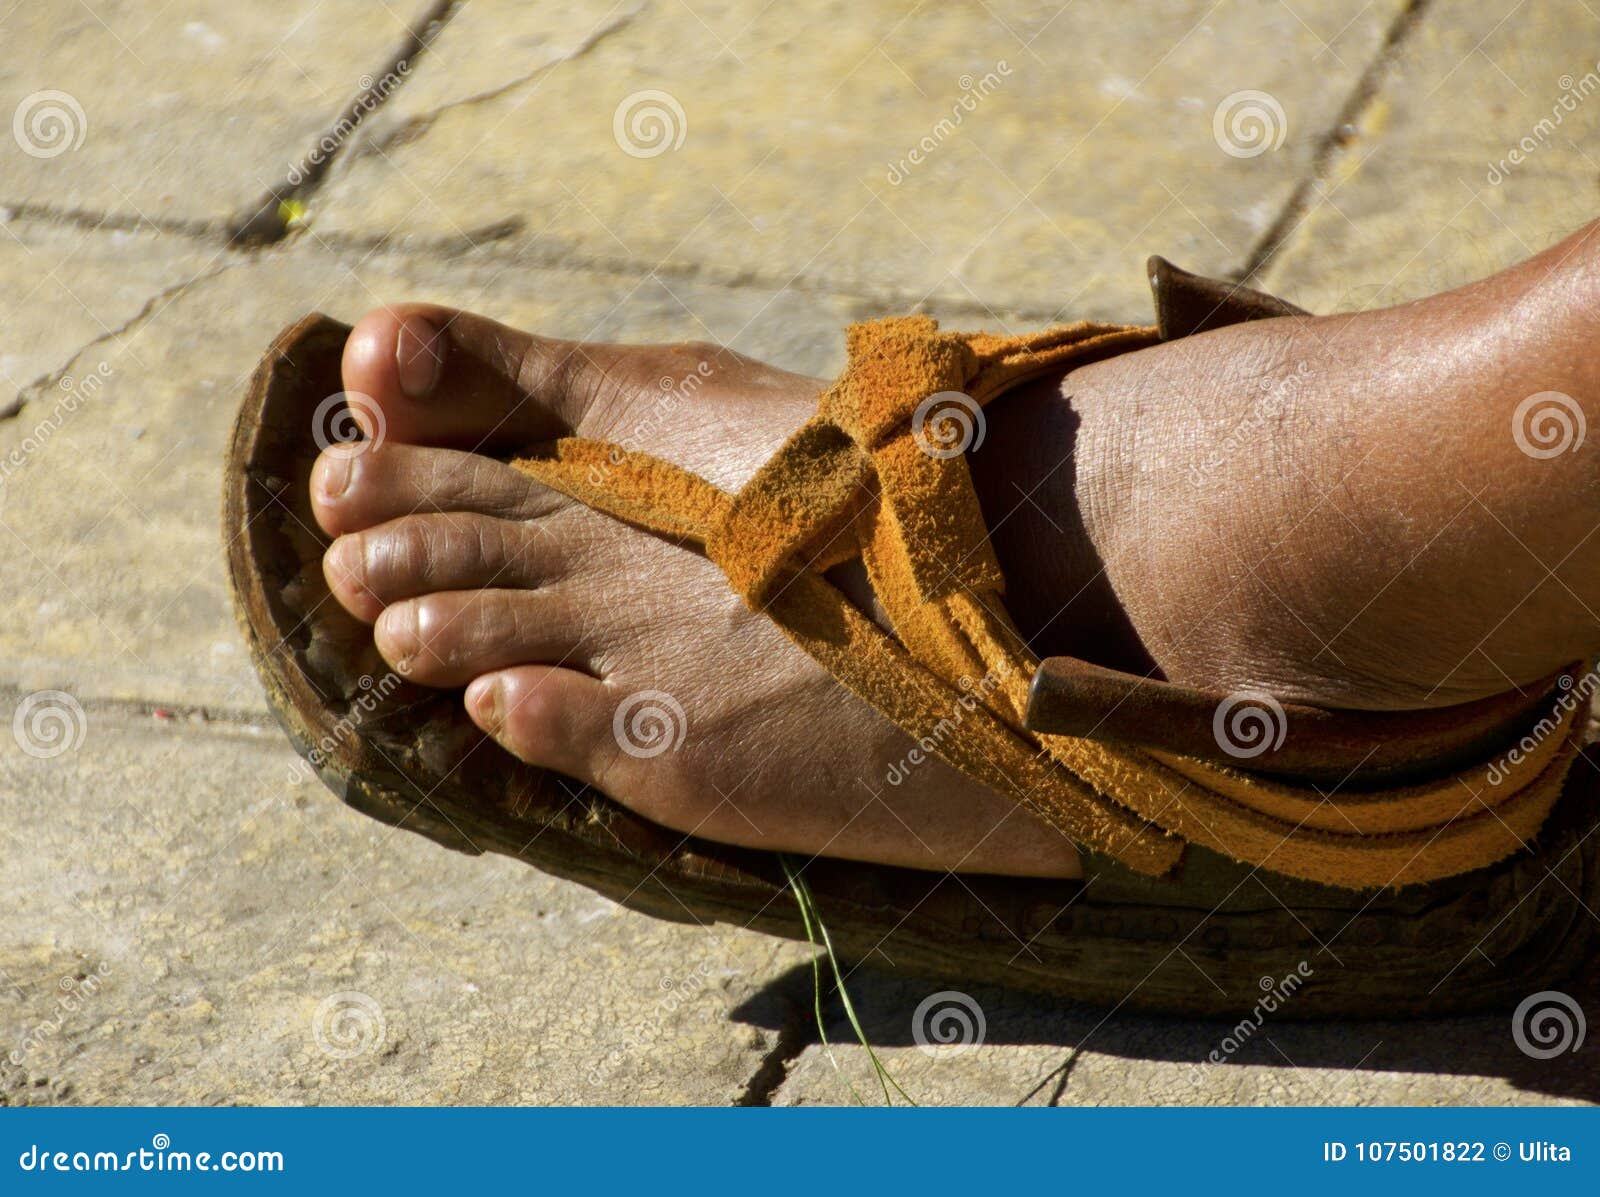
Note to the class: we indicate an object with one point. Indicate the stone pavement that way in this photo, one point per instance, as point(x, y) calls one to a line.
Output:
point(187, 919)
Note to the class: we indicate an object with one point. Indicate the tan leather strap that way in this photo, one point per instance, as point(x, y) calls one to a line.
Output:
point(880, 473)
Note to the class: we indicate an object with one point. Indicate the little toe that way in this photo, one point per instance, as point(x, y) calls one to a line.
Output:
point(438, 376)
point(424, 554)
point(449, 638)
point(547, 716)
point(355, 487)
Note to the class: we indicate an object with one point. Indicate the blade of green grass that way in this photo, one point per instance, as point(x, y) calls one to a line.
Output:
point(811, 917)
point(802, 898)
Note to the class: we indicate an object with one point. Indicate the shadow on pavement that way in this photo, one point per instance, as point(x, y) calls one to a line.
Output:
point(1480, 1045)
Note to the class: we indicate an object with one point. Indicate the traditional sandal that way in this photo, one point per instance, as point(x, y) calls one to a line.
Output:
point(1414, 862)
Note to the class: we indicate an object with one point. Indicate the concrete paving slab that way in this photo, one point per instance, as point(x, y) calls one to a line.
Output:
point(191, 920)
point(66, 287)
point(1425, 197)
point(1014, 154)
point(190, 111)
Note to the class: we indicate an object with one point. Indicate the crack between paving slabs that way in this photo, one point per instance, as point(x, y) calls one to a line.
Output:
point(151, 307)
point(267, 223)
point(419, 124)
point(178, 713)
point(1335, 142)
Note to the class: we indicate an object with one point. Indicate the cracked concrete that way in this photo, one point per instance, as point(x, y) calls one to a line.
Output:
point(274, 216)
point(454, 975)
point(67, 292)
point(214, 917)
point(1008, 210)
point(154, 306)
point(1337, 140)
point(191, 112)
point(1409, 211)
point(483, 25)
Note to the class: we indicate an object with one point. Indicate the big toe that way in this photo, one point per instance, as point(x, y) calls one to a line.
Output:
point(428, 375)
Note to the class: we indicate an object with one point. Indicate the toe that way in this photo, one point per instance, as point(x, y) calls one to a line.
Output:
point(449, 638)
point(550, 717)
point(423, 554)
point(437, 376)
point(354, 488)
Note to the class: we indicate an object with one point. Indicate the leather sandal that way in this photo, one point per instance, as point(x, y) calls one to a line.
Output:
point(1411, 862)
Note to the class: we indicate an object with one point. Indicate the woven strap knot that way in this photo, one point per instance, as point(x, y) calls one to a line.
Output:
point(864, 447)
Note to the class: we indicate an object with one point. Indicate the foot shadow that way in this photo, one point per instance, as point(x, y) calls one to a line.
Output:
point(1062, 1031)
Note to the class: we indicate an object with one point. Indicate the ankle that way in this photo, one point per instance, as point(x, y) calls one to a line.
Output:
point(1034, 475)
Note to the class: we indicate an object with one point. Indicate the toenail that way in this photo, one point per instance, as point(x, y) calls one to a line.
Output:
point(403, 631)
point(348, 560)
point(489, 701)
point(333, 475)
point(419, 351)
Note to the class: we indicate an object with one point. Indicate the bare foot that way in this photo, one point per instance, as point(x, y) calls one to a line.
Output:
point(557, 616)
point(1335, 509)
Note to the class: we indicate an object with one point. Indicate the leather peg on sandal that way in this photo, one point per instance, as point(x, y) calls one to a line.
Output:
point(1070, 697)
point(1188, 303)
point(1259, 733)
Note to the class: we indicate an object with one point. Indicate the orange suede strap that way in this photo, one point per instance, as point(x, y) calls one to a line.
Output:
point(880, 473)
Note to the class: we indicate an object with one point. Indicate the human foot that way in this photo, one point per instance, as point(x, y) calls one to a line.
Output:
point(1125, 538)
point(561, 618)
